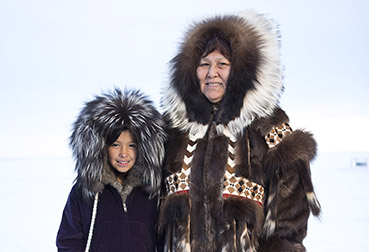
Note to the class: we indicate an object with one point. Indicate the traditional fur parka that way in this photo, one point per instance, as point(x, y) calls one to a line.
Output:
point(118, 217)
point(237, 176)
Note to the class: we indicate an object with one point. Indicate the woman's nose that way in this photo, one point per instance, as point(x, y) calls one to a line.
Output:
point(212, 72)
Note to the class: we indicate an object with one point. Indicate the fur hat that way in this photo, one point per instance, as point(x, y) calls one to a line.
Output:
point(255, 80)
point(99, 118)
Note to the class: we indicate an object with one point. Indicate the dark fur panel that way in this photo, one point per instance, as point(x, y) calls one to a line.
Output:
point(174, 222)
point(243, 219)
point(207, 174)
point(250, 150)
point(215, 180)
point(290, 213)
point(199, 210)
point(216, 167)
point(291, 216)
point(275, 244)
point(292, 209)
point(175, 150)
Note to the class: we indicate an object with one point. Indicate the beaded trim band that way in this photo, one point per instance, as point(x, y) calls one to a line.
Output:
point(232, 186)
point(275, 136)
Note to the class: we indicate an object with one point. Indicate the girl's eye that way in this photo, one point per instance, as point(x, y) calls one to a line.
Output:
point(115, 145)
point(133, 145)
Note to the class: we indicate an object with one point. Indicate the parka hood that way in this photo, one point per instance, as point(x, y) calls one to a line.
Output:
point(254, 83)
point(95, 122)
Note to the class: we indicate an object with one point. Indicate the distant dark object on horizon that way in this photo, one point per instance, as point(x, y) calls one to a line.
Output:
point(360, 162)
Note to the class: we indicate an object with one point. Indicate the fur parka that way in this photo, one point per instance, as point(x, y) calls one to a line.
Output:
point(236, 176)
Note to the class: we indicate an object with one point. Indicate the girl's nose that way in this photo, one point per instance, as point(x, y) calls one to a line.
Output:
point(123, 152)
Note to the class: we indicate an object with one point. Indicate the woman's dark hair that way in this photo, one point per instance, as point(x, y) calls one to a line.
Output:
point(218, 44)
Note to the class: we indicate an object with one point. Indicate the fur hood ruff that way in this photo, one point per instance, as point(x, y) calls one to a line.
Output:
point(88, 141)
point(254, 84)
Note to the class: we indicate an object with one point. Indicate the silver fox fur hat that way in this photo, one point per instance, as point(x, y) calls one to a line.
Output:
point(99, 118)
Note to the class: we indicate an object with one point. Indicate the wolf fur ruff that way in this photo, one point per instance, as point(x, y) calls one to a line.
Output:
point(255, 82)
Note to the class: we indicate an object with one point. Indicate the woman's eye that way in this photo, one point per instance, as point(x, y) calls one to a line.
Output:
point(204, 64)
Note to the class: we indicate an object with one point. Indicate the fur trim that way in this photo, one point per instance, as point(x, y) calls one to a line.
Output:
point(299, 145)
point(254, 84)
point(94, 123)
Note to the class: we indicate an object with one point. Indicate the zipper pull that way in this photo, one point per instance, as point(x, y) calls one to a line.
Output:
point(125, 207)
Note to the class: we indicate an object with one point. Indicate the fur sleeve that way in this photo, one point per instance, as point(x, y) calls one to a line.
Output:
point(291, 194)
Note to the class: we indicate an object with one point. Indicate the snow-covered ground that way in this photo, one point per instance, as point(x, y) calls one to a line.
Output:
point(34, 191)
point(342, 188)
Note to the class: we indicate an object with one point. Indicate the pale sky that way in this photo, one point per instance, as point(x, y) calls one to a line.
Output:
point(55, 55)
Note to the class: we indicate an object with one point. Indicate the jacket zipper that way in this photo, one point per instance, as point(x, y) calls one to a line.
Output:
point(125, 207)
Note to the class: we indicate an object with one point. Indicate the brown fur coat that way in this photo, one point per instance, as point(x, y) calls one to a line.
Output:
point(236, 176)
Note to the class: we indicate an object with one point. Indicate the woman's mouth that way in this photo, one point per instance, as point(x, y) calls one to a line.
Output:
point(213, 84)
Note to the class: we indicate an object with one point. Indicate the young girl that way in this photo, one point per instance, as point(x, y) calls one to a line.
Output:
point(118, 143)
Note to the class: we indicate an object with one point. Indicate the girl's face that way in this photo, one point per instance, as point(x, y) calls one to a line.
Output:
point(122, 153)
point(213, 73)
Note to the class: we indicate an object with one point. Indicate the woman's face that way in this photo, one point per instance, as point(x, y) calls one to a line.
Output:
point(122, 153)
point(213, 73)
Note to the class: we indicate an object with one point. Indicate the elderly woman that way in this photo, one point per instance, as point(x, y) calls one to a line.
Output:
point(237, 176)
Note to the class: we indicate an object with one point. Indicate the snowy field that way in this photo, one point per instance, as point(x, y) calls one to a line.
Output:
point(34, 191)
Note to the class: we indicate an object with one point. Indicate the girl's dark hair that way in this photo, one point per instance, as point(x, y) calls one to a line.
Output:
point(115, 133)
point(218, 44)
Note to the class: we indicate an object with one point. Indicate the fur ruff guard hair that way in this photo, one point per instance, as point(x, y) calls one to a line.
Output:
point(104, 114)
point(254, 83)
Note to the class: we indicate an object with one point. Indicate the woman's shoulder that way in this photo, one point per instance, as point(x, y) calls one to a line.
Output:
point(265, 124)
